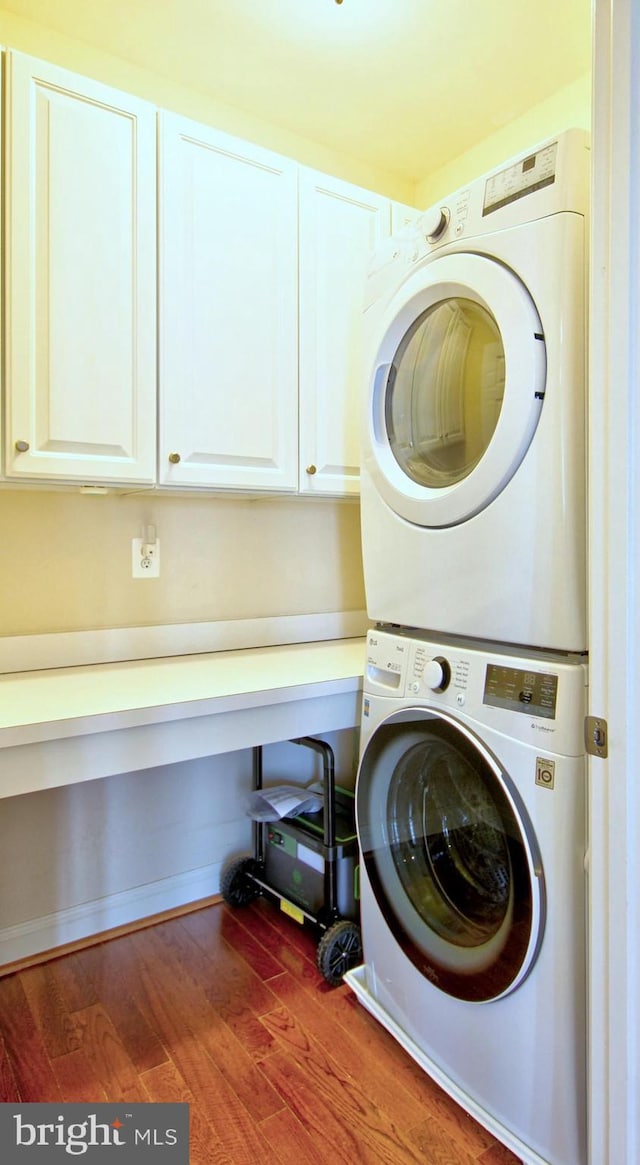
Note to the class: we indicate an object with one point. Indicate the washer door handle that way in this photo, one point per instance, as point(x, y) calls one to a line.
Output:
point(383, 374)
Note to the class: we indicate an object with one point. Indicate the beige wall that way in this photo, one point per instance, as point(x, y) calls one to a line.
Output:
point(68, 559)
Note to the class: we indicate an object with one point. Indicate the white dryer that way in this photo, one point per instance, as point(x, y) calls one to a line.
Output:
point(471, 820)
point(473, 436)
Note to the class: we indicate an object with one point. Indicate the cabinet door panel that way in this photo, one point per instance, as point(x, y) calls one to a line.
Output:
point(80, 278)
point(228, 311)
point(340, 225)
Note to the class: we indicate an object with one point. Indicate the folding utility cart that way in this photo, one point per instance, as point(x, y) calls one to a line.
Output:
point(308, 864)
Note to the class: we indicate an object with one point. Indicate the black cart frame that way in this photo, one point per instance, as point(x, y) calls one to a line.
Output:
point(244, 879)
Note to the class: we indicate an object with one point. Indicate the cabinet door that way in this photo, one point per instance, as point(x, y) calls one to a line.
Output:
point(340, 225)
point(228, 311)
point(80, 278)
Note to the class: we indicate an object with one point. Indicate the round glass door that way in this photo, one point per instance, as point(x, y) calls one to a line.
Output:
point(456, 391)
point(450, 856)
point(444, 392)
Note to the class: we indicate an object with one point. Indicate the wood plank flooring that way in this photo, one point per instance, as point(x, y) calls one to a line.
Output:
point(226, 1010)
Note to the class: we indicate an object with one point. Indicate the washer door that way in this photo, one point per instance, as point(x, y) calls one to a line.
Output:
point(450, 855)
point(456, 389)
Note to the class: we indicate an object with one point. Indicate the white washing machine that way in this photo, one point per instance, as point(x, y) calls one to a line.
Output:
point(471, 820)
point(473, 439)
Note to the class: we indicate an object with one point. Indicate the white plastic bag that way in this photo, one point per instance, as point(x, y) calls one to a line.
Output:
point(284, 801)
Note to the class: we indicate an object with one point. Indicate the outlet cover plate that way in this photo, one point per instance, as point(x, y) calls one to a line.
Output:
point(148, 565)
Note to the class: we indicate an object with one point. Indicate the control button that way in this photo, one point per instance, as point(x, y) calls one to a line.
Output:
point(434, 223)
point(437, 674)
point(414, 686)
point(460, 699)
point(459, 229)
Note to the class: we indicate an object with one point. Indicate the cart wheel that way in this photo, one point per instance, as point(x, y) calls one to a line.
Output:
point(236, 884)
point(339, 949)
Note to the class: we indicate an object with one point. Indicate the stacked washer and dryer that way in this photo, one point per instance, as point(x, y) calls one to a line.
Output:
point(471, 789)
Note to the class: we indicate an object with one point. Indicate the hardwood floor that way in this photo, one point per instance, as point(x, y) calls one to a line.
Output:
point(226, 1010)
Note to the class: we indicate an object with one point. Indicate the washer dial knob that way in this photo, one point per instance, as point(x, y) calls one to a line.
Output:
point(434, 223)
point(437, 674)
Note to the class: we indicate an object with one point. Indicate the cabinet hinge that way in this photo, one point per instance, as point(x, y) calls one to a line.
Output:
point(596, 736)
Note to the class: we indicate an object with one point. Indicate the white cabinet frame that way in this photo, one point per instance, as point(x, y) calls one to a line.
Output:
point(614, 656)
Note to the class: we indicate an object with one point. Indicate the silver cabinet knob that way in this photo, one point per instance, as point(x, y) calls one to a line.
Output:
point(22, 446)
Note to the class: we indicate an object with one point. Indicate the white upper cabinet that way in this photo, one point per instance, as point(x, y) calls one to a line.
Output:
point(340, 225)
point(244, 271)
point(228, 320)
point(80, 278)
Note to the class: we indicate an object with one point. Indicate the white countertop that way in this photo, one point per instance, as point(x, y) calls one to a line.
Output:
point(60, 700)
point(70, 724)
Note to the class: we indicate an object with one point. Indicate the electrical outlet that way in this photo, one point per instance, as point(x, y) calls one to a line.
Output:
point(145, 558)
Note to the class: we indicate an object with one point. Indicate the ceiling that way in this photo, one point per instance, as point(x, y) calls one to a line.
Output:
point(403, 85)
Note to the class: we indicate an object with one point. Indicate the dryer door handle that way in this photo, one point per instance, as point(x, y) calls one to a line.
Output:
point(381, 377)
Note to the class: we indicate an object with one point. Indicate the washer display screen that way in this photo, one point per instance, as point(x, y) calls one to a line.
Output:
point(535, 693)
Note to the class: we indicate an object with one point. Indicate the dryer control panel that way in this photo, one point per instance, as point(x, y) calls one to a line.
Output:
point(534, 172)
point(556, 172)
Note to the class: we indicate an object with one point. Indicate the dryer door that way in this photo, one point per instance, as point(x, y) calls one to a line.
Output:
point(450, 855)
point(456, 389)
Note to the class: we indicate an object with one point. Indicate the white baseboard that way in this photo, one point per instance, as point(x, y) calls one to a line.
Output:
point(91, 918)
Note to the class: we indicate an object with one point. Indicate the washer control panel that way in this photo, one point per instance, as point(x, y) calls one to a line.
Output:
point(433, 671)
point(532, 692)
point(536, 698)
point(387, 663)
point(437, 674)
